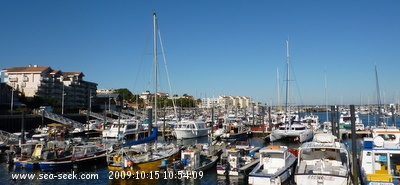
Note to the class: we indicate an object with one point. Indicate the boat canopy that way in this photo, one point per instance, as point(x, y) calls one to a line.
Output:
point(152, 137)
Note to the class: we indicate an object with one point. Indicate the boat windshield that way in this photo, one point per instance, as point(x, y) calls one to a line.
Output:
point(131, 126)
point(318, 153)
point(298, 128)
point(273, 155)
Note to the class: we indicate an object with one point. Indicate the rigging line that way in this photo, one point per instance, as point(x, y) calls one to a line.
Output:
point(140, 63)
point(166, 70)
point(378, 93)
point(146, 85)
point(297, 85)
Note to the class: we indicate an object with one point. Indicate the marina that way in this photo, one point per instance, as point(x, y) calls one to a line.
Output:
point(210, 176)
point(252, 93)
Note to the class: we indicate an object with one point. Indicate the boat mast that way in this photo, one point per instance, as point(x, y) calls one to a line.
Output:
point(287, 76)
point(378, 93)
point(279, 90)
point(326, 98)
point(155, 65)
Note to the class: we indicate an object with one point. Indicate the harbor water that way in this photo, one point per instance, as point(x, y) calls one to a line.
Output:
point(99, 175)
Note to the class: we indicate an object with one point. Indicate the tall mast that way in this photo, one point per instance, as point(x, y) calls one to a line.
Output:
point(326, 98)
point(378, 93)
point(155, 65)
point(279, 90)
point(288, 75)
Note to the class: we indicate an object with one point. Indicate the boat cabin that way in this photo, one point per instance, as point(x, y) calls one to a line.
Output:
point(190, 125)
point(390, 135)
point(323, 155)
point(273, 158)
point(233, 157)
point(85, 151)
point(190, 158)
point(123, 127)
point(379, 162)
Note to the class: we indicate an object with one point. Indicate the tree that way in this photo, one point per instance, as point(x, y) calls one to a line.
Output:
point(34, 102)
point(52, 101)
point(125, 94)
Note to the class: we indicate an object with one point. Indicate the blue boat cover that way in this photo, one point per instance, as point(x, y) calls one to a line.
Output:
point(152, 137)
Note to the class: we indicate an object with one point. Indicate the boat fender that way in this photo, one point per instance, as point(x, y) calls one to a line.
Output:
point(279, 181)
point(60, 151)
point(117, 158)
point(129, 163)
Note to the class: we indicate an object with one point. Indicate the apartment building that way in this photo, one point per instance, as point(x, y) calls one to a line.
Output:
point(47, 83)
point(227, 102)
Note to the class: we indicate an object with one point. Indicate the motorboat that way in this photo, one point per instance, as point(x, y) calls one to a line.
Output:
point(236, 162)
point(193, 159)
point(324, 160)
point(80, 156)
point(233, 129)
point(187, 129)
point(311, 121)
point(123, 127)
point(345, 120)
point(379, 161)
point(276, 166)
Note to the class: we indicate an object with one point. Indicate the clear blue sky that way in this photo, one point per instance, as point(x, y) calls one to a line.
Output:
point(224, 47)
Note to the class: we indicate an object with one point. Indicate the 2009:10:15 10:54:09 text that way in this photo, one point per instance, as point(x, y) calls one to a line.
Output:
point(181, 174)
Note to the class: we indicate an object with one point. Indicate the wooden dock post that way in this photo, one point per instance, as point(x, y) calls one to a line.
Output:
point(354, 144)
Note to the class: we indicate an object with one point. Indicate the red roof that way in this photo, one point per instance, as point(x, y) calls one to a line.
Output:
point(27, 69)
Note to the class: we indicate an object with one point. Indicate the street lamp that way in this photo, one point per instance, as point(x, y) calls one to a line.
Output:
point(109, 103)
point(90, 102)
point(90, 106)
point(12, 100)
point(62, 101)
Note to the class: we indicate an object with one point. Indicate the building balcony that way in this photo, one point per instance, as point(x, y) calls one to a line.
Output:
point(13, 79)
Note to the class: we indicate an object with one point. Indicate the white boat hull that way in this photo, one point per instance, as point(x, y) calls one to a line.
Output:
point(320, 180)
point(187, 134)
point(268, 180)
point(229, 172)
point(306, 135)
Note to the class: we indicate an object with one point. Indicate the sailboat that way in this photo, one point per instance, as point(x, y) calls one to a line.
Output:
point(291, 129)
point(326, 125)
point(143, 156)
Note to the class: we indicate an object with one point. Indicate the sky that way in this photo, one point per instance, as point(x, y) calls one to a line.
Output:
point(211, 48)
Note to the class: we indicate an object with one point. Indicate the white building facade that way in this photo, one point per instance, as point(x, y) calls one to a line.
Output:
point(227, 102)
point(44, 82)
